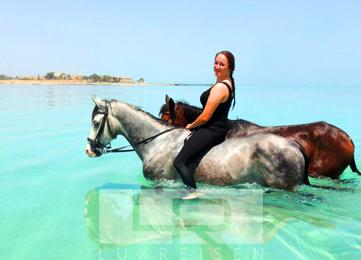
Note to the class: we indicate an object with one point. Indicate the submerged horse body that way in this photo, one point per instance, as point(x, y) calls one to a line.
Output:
point(266, 159)
point(328, 149)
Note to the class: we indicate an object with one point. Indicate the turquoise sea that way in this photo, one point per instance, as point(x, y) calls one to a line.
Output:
point(56, 203)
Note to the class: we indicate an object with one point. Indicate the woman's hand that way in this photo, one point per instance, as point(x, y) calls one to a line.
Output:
point(189, 126)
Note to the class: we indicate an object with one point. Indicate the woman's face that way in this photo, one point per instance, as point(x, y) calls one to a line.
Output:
point(221, 68)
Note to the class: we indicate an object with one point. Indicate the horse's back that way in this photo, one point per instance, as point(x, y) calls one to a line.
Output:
point(266, 159)
point(329, 149)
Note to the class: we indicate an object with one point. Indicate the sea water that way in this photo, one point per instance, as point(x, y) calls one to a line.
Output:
point(56, 203)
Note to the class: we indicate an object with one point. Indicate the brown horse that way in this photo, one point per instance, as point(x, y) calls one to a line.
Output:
point(328, 149)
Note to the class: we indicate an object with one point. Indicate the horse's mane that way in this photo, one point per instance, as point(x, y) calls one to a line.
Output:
point(191, 112)
point(244, 123)
point(96, 109)
point(241, 127)
point(144, 112)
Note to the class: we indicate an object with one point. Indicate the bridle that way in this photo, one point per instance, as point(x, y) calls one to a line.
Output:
point(95, 145)
point(171, 116)
point(100, 149)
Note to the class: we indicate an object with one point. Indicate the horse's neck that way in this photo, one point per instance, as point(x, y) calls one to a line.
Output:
point(190, 112)
point(136, 125)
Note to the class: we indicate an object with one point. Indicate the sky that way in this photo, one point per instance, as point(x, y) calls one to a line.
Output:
point(303, 42)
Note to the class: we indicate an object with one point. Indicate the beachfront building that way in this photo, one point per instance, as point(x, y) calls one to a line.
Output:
point(76, 76)
point(125, 80)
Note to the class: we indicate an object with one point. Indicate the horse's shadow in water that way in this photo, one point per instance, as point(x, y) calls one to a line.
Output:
point(118, 216)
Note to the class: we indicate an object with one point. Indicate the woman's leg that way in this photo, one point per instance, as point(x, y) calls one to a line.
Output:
point(200, 140)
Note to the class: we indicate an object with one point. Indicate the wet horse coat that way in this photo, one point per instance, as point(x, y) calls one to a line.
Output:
point(266, 159)
point(328, 149)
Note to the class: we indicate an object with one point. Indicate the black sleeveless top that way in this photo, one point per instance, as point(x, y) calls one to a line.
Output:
point(218, 121)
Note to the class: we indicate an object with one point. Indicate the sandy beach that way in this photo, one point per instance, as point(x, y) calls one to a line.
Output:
point(75, 82)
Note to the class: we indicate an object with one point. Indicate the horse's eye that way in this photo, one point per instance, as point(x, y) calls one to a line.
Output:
point(96, 123)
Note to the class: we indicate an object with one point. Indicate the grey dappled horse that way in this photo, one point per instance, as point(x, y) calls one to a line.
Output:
point(265, 159)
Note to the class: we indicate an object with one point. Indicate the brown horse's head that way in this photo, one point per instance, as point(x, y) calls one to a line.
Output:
point(167, 111)
point(178, 114)
point(171, 113)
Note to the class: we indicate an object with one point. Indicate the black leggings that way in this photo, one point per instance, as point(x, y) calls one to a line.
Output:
point(200, 140)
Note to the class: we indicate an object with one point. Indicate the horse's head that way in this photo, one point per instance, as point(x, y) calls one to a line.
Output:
point(178, 114)
point(100, 133)
point(167, 111)
point(173, 113)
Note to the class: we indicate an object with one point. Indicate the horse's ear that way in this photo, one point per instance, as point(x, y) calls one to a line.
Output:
point(171, 104)
point(99, 102)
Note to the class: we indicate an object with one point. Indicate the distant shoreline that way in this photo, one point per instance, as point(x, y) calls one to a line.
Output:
point(85, 82)
point(75, 82)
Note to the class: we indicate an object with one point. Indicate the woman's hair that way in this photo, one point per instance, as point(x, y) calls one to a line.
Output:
point(231, 65)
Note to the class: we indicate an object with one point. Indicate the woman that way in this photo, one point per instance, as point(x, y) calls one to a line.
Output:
point(210, 127)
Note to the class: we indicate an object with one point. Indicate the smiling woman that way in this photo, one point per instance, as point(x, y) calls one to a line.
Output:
point(210, 127)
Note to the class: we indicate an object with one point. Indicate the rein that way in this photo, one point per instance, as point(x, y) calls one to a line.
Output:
point(145, 141)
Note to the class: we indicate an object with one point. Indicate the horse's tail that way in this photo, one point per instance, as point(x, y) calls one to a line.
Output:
point(353, 163)
point(353, 166)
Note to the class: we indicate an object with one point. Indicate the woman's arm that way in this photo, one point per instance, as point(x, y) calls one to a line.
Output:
point(219, 94)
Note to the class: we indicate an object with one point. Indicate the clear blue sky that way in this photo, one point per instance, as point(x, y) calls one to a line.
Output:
point(275, 42)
